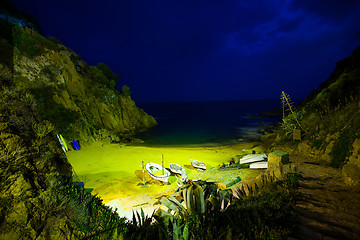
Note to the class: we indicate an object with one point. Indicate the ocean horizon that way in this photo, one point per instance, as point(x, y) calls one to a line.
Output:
point(206, 123)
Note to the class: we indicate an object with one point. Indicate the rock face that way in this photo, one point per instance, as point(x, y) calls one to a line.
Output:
point(10, 14)
point(330, 121)
point(30, 160)
point(46, 89)
point(81, 101)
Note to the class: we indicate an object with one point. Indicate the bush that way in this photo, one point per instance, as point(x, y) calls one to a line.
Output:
point(341, 149)
point(30, 43)
point(125, 90)
point(107, 72)
point(316, 143)
point(48, 109)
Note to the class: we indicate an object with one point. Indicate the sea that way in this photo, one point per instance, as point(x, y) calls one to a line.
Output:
point(206, 123)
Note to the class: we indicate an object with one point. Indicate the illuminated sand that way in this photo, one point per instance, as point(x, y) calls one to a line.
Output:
point(114, 171)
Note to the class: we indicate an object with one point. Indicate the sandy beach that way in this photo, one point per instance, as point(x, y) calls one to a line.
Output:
point(114, 171)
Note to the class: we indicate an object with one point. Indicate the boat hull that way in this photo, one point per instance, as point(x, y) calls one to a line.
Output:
point(199, 165)
point(250, 158)
point(259, 165)
point(176, 168)
point(152, 167)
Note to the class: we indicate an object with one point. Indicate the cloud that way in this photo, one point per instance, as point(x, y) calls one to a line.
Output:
point(194, 50)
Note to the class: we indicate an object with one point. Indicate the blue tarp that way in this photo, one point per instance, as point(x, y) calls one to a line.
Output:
point(76, 145)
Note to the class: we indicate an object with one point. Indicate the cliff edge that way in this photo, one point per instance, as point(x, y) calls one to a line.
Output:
point(81, 101)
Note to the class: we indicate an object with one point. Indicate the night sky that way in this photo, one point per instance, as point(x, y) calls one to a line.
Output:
point(198, 50)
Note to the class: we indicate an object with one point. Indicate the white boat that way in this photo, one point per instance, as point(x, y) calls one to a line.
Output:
point(157, 172)
point(199, 165)
point(176, 168)
point(250, 158)
point(258, 165)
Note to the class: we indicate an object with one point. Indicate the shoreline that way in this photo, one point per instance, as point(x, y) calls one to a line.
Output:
point(114, 171)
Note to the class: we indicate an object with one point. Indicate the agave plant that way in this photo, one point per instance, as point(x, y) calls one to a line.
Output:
point(193, 196)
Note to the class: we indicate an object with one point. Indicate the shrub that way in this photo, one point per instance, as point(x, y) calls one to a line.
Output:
point(107, 72)
point(125, 90)
point(30, 43)
point(316, 143)
point(341, 149)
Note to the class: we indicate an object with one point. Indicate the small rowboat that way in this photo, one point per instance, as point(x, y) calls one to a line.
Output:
point(157, 172)
point(250, 158)
point(199, 165)
point(176, 168)
point(259, 165)
point(62, 142)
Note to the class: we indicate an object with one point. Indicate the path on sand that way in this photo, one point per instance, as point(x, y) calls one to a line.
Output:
point(327, 208)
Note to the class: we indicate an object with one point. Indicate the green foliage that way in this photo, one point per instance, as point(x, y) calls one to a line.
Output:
point(291, 180)
point(102, 76)
point(55, 40)
point(6, 46)
point(290, 122)
point(100, 79)
point(89, 218)
point(107, 72)
point(341, 149)
point(41, 131)
point(125, 90)
point(57, 114)
point(48, 73)
point(316, 143)
point(30, 43)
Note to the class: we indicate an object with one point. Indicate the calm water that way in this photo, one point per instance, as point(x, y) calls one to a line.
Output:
point(205, 123)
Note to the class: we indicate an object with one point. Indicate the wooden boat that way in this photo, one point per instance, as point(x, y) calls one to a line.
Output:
point(250, 158)
point(199, 165)
point(157, 172)
point(62, 142)
point(258, 165)
point(176, 168)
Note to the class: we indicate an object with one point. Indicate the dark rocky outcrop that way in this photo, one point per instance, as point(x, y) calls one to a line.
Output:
point(81, 101)
point(329, 118)
point(45, 89)
point(10, 14)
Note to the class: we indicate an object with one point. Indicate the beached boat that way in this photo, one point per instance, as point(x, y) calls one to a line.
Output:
point(251, 158)
point(258, 165)
point(157, 172)
point(199, 165)
point(176, 168)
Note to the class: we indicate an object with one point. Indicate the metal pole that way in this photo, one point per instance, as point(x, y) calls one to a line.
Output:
point(143, 172)
point(144, 184)
point(163, 164)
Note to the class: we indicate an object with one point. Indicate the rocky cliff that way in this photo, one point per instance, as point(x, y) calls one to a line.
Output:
point(45, 89)
point(329, 119)
point(79, 100)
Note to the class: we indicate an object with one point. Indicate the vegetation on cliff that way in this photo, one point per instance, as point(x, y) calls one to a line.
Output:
point(329, 118)
point(45, 89)
point(80, 101)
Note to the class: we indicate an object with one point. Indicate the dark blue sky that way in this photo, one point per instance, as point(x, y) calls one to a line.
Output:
point(167, 50)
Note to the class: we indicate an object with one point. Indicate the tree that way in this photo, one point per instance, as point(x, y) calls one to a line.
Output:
point(107, 72)
point(125, 90)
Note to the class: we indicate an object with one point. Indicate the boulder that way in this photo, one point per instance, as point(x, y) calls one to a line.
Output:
point(277, 158)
